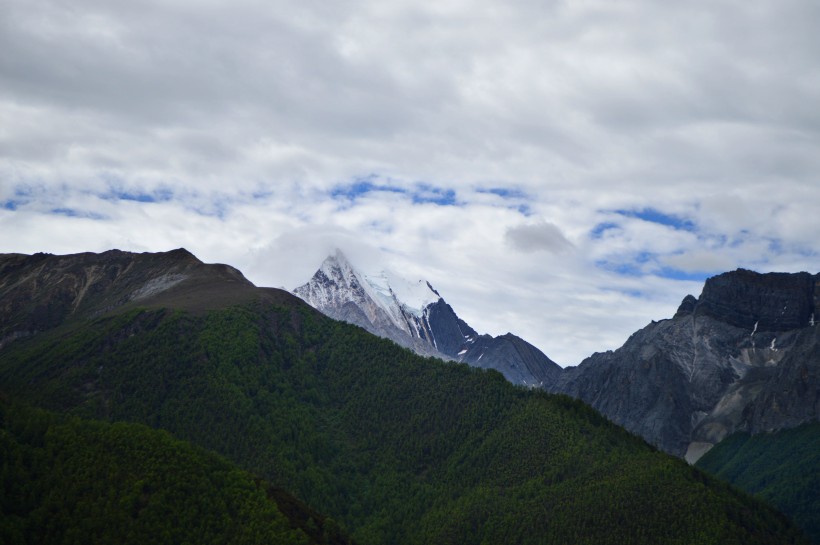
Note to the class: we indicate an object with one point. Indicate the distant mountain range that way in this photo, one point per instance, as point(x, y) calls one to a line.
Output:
point(415, 316)
point(348, 434)
point(744, 356)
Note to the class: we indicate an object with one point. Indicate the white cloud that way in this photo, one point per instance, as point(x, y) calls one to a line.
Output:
point(542, 236)
point(569, 166)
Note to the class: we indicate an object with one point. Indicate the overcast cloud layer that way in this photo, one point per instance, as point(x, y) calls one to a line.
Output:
point(567, 171)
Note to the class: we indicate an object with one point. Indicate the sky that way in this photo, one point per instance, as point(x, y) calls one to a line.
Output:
point(564, 170)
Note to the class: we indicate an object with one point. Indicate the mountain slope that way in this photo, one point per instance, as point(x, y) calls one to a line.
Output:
point(398, 448)
point(71, 480)
point(742, 356)
point(783, 468)
point(415, 316)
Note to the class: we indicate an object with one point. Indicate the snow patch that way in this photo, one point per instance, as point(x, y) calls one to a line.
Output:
point(752, 336)
point(413, 296)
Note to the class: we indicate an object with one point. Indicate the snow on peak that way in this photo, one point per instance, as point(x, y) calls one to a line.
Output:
point(414, 296)
point(389, 291)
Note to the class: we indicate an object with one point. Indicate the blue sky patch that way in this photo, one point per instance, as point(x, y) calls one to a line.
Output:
point(505, 193)
point(775, 245)
point(420, 193)
point(214, 209)
point(635, 293)
point(621, 268)
point(677, 274)
point(362, 186)
point(513, 195)
point(72, 213)
point(429, 194)
point(599, 230)
point(656, 216)
point(22, 196)
point(159, 195)
point(634, 269)
point(262, 195)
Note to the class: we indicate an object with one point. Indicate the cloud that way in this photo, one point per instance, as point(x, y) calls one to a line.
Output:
point(542, 236)
point(700, 261)
point(574, 167)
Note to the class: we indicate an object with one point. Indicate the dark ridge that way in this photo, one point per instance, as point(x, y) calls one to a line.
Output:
point(42, 291)
point(687, 306)
point(773, 301)
point(447, 328)
point(536, 362)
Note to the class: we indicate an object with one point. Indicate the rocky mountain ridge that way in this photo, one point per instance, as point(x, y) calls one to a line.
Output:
point(41, 291)
point(744, 356)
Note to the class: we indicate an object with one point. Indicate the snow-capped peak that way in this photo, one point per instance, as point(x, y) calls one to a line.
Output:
point(414, 315)
point(413, 297)
point(335, 283)
point(395, 296)
point(337, 267)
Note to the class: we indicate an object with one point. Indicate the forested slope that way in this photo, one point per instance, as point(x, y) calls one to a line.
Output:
point(398, 449)
point(68, 480)
point(783, 468)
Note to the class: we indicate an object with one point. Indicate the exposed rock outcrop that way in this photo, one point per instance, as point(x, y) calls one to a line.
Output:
point(744, 356)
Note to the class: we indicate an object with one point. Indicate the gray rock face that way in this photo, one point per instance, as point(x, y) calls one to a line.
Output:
point(743, 356)
point(790, 395)
point(519, 361)
point(447, 332)
point(774, 301)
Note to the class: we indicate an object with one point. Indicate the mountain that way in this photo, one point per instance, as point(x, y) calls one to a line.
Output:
point(42, 291)
point(782, 468)
point(744, 356)
point(415, 316)
point(343, 293)
point(395, 447)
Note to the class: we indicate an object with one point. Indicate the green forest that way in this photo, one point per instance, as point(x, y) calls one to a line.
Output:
point(782, 468)
point(66, 480)
point(395, 448)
